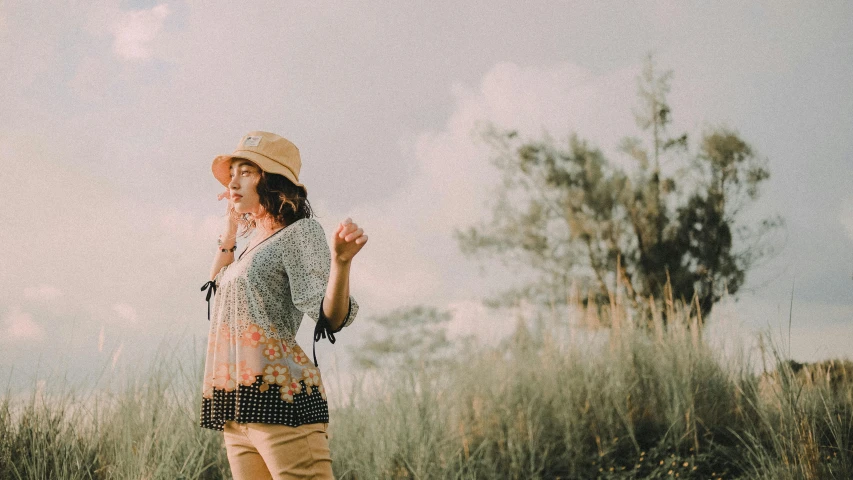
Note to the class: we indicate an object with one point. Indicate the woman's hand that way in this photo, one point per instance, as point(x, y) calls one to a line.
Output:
point(232, 222)
point(349, 239)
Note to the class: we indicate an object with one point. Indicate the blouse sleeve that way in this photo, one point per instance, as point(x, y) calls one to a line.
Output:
point(307, 260)
point(218, 276)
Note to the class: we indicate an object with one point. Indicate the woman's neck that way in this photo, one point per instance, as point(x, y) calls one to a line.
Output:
point(267, 228)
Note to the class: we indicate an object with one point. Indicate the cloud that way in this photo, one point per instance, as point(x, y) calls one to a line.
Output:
point(19, 325)
point(455, 169)
point(134, 31)
point(43, 292)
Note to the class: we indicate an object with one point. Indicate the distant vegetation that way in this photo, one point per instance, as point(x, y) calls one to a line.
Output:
point(548, 403)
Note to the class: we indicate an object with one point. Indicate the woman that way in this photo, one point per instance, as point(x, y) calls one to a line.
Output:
point(260, 388)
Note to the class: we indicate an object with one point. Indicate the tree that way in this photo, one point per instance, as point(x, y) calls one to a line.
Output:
point(672, 222)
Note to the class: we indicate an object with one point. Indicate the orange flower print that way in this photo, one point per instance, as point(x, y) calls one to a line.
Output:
point(272, 350)
point(253, 336)
point(322, 391)
point(288, 391)
point(275, 374)
point(246, 376)
point(225, 377)
point(311, 376)
point(300, 357)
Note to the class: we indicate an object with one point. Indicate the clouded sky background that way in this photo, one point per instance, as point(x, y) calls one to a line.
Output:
point(113, 111)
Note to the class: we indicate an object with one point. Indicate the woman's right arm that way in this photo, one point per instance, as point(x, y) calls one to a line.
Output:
point(229, 239)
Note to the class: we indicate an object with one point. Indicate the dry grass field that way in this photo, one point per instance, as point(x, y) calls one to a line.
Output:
point(643, 403)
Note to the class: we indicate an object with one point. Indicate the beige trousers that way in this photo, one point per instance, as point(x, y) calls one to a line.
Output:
point(267, 451)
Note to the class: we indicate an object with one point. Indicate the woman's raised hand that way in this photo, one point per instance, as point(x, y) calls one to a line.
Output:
point(232, 222)
point(349, 239)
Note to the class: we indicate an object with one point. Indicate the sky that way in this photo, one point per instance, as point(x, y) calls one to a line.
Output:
point(114, 110)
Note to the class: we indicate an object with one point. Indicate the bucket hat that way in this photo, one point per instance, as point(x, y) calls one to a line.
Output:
point(271, 152)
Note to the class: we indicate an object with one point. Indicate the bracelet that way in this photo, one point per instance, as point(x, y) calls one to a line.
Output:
point(219, 244)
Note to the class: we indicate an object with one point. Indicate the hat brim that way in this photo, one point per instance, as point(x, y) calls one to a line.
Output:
point(222, 167)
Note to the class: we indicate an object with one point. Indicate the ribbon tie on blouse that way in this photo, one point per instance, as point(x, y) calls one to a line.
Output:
point(211, 290)
point(321, 330)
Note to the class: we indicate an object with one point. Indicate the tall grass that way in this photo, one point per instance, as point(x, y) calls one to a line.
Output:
point(628, 402)
point(651, 402)
point(143, 428)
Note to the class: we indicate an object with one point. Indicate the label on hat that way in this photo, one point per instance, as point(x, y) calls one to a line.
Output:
point(251, 141)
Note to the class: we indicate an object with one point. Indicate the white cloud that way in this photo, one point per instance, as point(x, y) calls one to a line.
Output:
point(125, 312)
point(19, 325)
point(134, 31)
point(559, 98)
point(43, 292)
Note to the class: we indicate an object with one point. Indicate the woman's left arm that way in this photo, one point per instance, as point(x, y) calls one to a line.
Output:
point(348, 240)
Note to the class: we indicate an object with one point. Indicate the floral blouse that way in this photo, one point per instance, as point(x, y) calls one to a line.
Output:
point(255, 371)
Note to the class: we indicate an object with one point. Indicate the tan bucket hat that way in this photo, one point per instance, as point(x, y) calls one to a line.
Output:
point(269, 151)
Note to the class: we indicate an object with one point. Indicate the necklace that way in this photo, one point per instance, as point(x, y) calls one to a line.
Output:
point(262, 240)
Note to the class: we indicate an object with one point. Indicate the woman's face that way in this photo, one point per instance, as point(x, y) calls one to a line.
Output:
point(243, 186)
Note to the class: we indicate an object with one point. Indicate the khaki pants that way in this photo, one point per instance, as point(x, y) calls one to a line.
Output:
point(266, 451)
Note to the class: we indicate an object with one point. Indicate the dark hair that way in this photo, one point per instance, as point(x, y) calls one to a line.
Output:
point(280, 198)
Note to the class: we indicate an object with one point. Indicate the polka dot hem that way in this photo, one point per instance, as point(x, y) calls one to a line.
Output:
point(247, 404)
